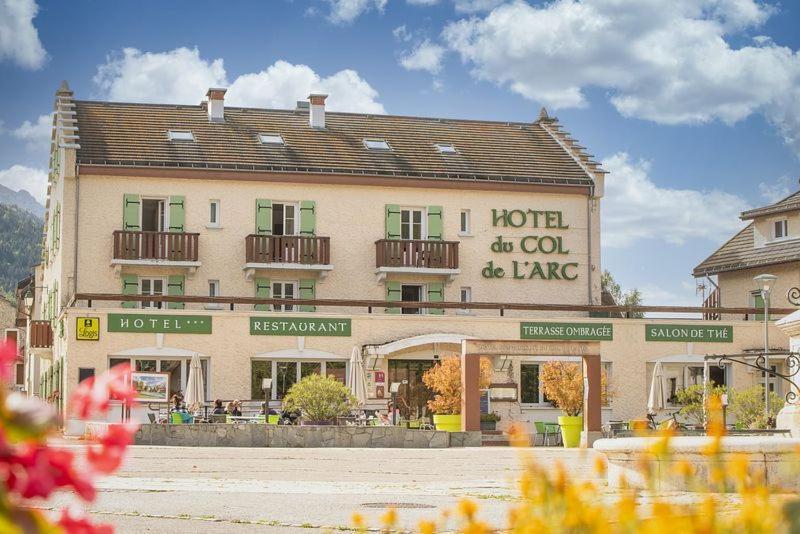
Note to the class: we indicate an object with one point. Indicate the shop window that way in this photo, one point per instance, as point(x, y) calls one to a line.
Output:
point(337, 370)
point(284, 290)
point(146, 366)
point(259, 369)
point(413, 395)
point(285, 378)
point(174, 369)
point(530, 386)
point(84, 373)
point(310, 368)
point(411, 226)
point(177, 368)
point(284, 218)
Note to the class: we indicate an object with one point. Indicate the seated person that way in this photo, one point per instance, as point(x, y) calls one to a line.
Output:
point(383, 419)
point(233, 408)
point(218, 408)
point(177, 404)
point(264, 410)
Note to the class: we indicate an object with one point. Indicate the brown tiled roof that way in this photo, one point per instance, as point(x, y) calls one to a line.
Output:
point(739, 253)
point(136, 135)
point(790, 203)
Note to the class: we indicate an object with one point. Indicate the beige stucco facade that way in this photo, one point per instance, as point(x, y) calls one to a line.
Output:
point(737, 287)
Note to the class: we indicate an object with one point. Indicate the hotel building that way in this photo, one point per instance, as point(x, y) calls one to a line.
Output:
point(221, 209)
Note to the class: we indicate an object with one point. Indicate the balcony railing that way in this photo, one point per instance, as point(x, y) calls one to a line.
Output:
point(41, 335)
point(713, 301)
point(416, 253)
point(143, 245)
point(306, 250)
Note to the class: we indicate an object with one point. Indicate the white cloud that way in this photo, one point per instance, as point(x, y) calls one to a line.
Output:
point(19, 39)
point(425, 56)
point(422, 2)
point(282, 84)
point(32, 180)
point(346, 11)
point(475, 6)
point(36, 134)
point(182, 76)
point(778, 190)
point(668, 62)
point(178, 76)
point(635, 208)
point(401, 33)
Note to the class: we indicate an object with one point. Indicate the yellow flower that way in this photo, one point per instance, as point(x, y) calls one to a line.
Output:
point(600, 465)
point(357, 520)
point(389, 519)
point(426, 527)
point(467, 508)
point(476, 528)
point(518, 436)
point(684, 468)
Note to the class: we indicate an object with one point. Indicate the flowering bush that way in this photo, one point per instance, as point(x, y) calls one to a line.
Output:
point(30, 468)
point(444, 379)
point(550, 502)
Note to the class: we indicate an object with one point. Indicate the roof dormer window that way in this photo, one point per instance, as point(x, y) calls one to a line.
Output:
point(271, 139)
point(781, 229)
point(181, 135)
point(446, 148)
point(377, 144)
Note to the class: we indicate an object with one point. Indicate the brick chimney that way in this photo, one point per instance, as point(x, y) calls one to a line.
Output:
point(316, 116)
point(216, 104)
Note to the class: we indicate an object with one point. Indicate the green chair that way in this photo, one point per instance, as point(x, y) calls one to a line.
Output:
point(540, 431)
point(554, 430)
point(176, 418)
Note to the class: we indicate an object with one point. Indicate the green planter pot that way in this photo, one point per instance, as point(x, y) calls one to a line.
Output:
point(273, 419)
point(449, 423)
point(571, 427)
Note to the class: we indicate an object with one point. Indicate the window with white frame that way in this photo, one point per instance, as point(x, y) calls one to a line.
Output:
point(284, 218)
point(781, 229)
point(284, 290)
point(466, 223)
point(213, 291)
point(154, 214)
point(412, 293)
point(530, 383)
point(152, 286)
point(377, 144)
point(412, 224)
point(214, 214)
point(285, 374)
point(446, 148)
point(271, 139)
point(180, 135)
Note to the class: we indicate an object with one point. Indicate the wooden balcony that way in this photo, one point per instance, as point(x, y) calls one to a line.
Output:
point(41, 335)
point(292, 252)
point(149, 247)
point(713, 301)
point(416, 256)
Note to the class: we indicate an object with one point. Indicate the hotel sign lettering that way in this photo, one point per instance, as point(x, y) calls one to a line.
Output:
point(159, 324)
point(682, 332)
point(567, 331)
point(299, 326)
point(544, 250)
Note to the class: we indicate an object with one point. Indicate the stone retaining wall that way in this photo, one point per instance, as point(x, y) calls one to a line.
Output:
point(259, 435)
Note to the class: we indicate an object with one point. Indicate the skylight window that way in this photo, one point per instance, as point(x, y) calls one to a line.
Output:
point(446, 148)
point(181, 135)
point(377, 144)
point(271, 139)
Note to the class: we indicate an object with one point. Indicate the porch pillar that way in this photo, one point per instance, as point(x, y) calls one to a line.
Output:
point(470, 391)
point(592, 400)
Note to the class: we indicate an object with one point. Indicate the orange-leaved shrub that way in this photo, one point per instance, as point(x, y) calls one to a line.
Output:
point(444, 379)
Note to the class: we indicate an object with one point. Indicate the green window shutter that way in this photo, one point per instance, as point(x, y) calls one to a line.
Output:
point(308, 217)
point(130, 286)
point(262, 292)
point(54, 314)
point(435, 223)
point(394, 293)
point(130, 212)
point(436, 294)
point(177, 213)
point(263, 216)
point(57, 235)
point(175, 286)
point(392, 221)
point(307, 291)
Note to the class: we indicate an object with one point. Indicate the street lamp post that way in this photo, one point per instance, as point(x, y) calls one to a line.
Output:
point(764, 283)
point(266, 385)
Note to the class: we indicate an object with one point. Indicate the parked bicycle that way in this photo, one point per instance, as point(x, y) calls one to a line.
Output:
point(671, 422)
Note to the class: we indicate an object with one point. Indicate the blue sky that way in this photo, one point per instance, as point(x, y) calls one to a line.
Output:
point(694, 105)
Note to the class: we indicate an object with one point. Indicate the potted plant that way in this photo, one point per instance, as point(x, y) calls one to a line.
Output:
point(562, 385)
point(692, 402)
point(444, 379)
point(489, 421)
point(747, 406)
point(319, 399)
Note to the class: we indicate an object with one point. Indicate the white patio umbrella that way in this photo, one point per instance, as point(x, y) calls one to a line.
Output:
point(658, 391)
point(195, 388)
point(357, 381)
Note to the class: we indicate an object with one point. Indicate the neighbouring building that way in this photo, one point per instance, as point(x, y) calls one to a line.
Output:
point(202, 201)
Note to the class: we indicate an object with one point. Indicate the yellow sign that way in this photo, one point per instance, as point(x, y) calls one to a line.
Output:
point(87, 329)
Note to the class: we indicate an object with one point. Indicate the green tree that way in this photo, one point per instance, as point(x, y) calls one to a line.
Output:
point(747, 405)
point(20, 245)
point(320, 399)
point(691, 401)
point(623, 297)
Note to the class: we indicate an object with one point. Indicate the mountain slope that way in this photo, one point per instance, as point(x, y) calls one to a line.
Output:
point(21, 198)
point(20, 243)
